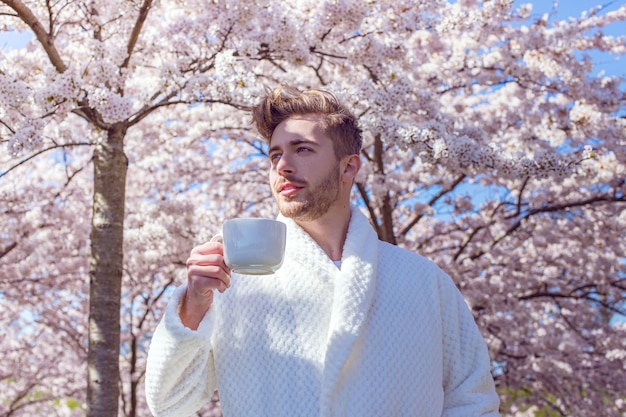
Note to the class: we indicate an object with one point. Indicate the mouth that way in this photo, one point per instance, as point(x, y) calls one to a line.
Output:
point(287, 189)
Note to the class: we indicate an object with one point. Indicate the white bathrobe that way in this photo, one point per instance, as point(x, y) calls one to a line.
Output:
point(388, 334)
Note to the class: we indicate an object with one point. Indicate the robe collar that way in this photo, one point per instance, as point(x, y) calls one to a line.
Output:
point(354, 288)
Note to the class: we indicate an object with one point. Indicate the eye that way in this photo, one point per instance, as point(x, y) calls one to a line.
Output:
point(304, 149)
point(275, 156)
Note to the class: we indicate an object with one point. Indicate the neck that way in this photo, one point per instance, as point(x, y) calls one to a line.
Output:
point(329, 231)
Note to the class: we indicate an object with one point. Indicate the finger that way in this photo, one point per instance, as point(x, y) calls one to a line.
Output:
point(205, 260)
point(208, 271)
point(202, 286)
point(208, 248)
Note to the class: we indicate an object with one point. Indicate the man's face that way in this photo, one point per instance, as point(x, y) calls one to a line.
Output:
point(305, 173)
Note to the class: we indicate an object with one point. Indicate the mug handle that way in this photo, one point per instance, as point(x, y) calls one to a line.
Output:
point(217, 238)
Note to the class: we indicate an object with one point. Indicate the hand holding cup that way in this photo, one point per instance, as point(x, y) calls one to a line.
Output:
point(250, 246)
point(206, 272)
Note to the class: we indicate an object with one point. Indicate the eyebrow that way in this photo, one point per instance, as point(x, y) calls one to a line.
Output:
point(294, 142)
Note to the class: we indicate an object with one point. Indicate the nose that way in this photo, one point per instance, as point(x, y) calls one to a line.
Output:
point(284, 165)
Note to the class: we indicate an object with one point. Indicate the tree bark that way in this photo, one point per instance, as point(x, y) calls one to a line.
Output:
point(386, 232)
point(107, 238)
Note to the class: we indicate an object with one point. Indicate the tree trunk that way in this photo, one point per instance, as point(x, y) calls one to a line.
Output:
point(386, 232)
point(107, 236)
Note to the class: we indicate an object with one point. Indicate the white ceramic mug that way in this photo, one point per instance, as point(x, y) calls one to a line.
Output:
point(253, 246)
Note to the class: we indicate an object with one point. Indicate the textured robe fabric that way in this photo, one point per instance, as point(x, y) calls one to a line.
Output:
point(388, 334)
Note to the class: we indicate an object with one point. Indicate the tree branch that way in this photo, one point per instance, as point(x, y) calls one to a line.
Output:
point(36, 154)
point(46, 39)
point(8, 249)
point(134, 36)
point(551, 209)
point(432, 201)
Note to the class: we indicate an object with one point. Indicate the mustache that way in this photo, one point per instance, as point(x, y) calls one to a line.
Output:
point(290, 179)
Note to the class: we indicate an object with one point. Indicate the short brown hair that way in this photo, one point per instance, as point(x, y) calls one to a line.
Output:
point(336, 120)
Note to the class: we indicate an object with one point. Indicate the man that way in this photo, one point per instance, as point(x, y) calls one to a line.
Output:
point(349, 326)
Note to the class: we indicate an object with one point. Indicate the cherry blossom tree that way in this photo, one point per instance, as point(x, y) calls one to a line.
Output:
point(493, 145)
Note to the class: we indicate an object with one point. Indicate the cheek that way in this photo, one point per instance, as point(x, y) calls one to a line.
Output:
point(272, 176)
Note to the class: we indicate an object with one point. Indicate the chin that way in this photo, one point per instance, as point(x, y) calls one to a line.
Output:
point(302, 212)
point(291, 211)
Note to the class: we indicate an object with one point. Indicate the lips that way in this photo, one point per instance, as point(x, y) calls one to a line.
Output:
point(288, 188)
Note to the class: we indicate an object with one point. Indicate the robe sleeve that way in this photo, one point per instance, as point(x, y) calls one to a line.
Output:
point(467, 381)
point(180, 373)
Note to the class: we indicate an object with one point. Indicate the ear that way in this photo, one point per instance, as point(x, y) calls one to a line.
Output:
point(351, 166)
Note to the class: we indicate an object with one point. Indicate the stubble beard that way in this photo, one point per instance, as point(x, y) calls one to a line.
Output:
point(314, 201)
